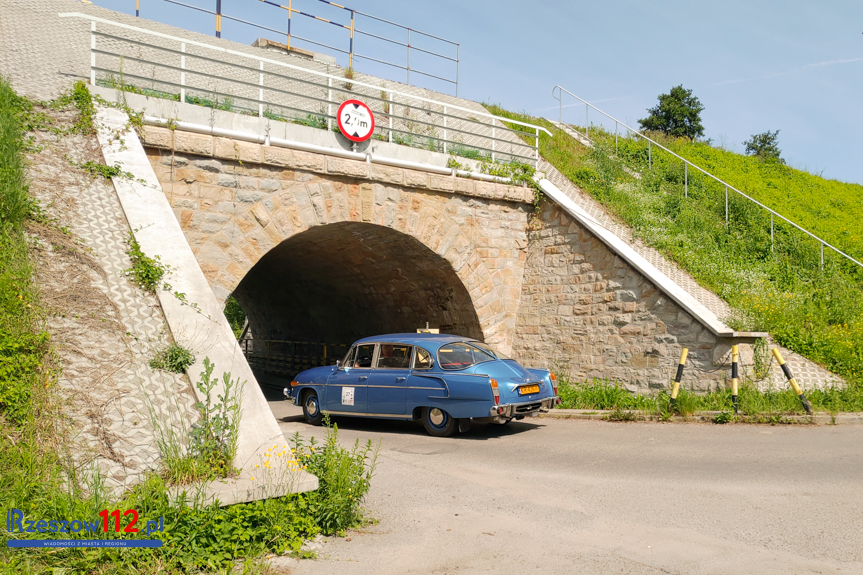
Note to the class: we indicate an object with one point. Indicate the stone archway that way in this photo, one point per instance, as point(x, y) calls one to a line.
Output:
point(340, 282)
point(241, 215)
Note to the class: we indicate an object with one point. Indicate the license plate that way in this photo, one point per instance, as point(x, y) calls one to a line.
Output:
point(528, 389)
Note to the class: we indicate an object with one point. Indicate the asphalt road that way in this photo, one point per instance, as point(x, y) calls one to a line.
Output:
point(569, 496)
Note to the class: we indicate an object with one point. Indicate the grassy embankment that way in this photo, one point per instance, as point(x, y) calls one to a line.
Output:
point(777, 288)
point(37, 474)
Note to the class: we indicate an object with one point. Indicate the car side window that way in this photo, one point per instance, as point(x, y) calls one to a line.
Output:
point(349, 358)
point(364, 355)
point(460, 355)
point(394, 356)
point(423, 359)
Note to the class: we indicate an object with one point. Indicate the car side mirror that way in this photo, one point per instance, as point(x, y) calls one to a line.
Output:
point(339, 363)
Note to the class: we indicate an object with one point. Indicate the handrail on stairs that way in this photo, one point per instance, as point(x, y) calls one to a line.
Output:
point(558, 89)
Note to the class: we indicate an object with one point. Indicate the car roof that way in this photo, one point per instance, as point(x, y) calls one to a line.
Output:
point(433, 340)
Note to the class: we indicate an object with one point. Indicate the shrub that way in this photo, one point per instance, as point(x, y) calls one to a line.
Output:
point(764, 146)
point(174, 358)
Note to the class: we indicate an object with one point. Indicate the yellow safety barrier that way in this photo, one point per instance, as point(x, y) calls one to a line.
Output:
point(675, 389)
point(787, 371)
point(735, 361)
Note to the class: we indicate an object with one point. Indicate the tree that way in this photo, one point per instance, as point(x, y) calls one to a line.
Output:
point(764, 146)
point(678, 114)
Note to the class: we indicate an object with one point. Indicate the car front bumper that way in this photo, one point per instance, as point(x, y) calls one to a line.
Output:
point(525, 409)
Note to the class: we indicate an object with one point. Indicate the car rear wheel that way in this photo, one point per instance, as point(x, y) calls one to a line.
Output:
point(438, 422)
point(312, 408)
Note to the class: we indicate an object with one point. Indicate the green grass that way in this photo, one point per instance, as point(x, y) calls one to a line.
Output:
point(780, 288)
point(605, 395)
point(22, 342)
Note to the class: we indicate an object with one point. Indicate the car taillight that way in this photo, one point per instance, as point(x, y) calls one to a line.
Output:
point(553, 382)
point(294, 384)
point(494, 391)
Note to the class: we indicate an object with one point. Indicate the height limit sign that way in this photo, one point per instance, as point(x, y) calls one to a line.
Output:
point(356, 121)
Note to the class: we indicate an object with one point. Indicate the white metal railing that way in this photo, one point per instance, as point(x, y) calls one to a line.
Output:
point(351, 29)
point(687, 164)
point(180, 69)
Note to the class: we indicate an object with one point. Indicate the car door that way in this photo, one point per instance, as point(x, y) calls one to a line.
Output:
point(347, 388)
point(386, 391)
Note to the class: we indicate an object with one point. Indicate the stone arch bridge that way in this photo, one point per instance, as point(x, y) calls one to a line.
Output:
point(320, 248)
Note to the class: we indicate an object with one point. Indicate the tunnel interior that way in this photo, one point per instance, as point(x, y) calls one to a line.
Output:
point(341, 282)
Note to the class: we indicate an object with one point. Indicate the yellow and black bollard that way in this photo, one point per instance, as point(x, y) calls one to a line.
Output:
point(791, 380)
point(735, 361)
point(675, 389)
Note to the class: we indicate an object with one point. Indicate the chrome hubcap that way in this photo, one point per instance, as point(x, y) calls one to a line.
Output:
point(436, 416)
point(312, 406)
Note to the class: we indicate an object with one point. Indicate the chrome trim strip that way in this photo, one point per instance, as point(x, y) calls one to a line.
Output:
point(358, 414)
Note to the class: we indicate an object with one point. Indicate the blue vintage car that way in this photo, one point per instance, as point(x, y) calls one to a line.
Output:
point(446, 381)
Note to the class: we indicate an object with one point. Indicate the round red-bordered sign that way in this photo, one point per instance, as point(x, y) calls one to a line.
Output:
point(356, 121)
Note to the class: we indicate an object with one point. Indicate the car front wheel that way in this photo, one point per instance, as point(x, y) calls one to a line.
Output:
point(438, 422)
point(312, 408)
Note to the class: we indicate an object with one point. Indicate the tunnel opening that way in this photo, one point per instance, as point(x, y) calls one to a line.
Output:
point(320, 290)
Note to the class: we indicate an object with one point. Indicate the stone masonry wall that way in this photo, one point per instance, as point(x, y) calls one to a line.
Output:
point(585, 312)
point(236, 201)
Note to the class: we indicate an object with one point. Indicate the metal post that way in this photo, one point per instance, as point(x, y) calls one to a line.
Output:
point(492, 143)
point(183, 74)
point(822, 256)
point(444, 129)
point(586, 124)
point(218, 18)
point(726, 205)
point(615, 137)
point(536, 146)
point(351, 60)
point(137, 8)
point(392, 112)
point(409, 56)
point(93, 53)
point(329, 104)
point(685, 180)
point(261, 92)
point(649, 155)
point(290, 10)
point(457, 60)
point(771, 231)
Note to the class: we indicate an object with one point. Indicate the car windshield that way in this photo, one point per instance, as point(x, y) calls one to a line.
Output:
point(486, 347)
point(461, 355)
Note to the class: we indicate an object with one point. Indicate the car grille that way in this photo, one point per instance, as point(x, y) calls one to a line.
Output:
point(528, 407)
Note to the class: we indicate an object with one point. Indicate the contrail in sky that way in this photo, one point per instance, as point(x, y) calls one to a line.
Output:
point(793, 70)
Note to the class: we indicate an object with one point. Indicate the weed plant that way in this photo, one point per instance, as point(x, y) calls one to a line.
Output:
point(146, 272)
point(776, 286)
point(174, 358)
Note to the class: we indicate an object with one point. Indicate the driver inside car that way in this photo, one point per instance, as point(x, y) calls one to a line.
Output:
point(389, 358)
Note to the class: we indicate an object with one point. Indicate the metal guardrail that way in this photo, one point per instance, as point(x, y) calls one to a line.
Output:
point(165, 66)
point(286, 358)
point(352, 29)
point(687, 164)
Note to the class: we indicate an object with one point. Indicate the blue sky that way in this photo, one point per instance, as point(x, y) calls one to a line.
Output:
point(755, 65)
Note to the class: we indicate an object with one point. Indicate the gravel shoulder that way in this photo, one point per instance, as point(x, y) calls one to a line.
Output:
point(581, 496)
